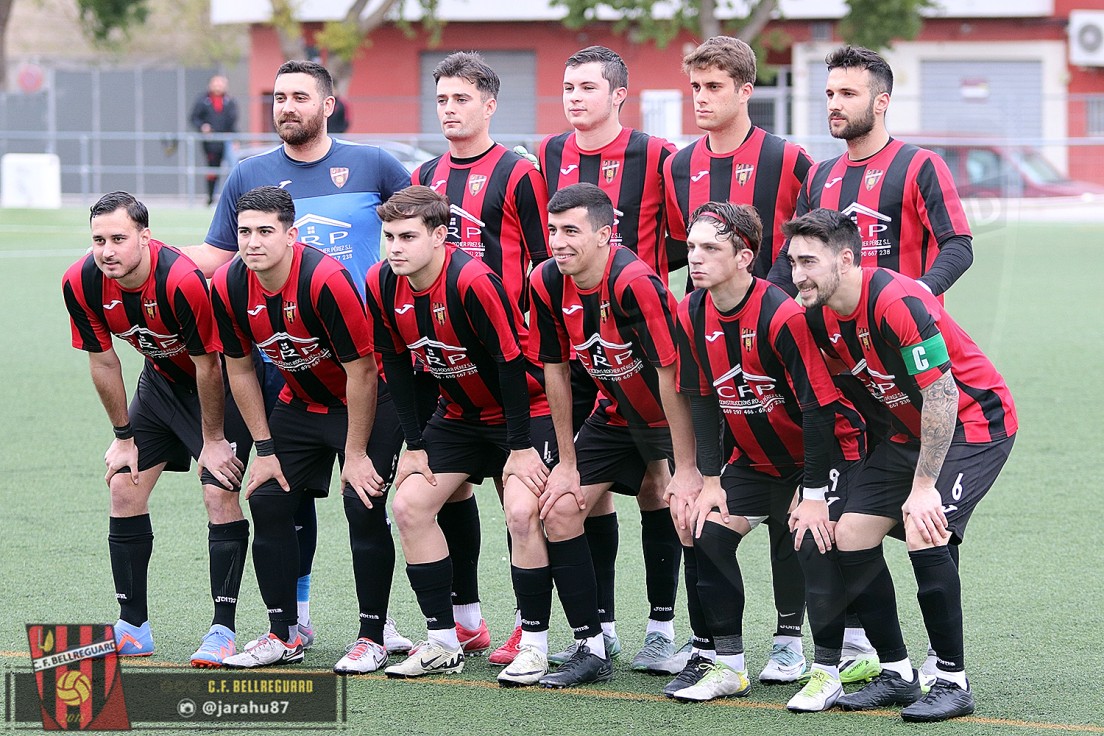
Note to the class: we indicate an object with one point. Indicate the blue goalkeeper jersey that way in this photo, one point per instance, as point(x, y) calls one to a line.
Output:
point(335, 200)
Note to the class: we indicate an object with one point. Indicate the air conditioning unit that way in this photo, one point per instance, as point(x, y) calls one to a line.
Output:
point(1086, 37)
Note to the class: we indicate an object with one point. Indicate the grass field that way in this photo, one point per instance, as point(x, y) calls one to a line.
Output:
point(1032, 582)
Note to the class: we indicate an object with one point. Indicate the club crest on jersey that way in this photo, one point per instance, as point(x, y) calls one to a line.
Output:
point(604, 310)
point(339, 175)
point(475, 183)
point(439, 312)
point(747, 337)
point(609, 170)
point(742, 173)
point(151, 307)
point(873, 176)
point(289, 312)
point(864, 338)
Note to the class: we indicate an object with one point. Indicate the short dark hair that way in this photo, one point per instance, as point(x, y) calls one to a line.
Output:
point(313, 68)
point(831, 227)
point(730, 55)
point(431, 207)
point(857, 57)
point(597, 203)
point(269, 199)
point(108, 203)
point(614, 70)
point(732, 220)
point(470, 66)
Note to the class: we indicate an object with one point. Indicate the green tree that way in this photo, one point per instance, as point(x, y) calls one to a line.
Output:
point(871, 23)
point(343, 39)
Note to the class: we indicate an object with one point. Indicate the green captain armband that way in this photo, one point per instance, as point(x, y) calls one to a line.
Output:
point(926, 355)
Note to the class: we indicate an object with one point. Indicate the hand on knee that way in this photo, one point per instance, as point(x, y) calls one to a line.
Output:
point(564, 520)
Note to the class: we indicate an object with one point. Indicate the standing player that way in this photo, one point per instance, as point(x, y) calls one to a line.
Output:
point(746, 354)
point(953, 424)
point(615, 313)
point(498, 215)
point(628, 166)
point(336, 186)
point(300, 307)
point(148, 294)
point(901, 197)
point(738, 162)
point(451, 311)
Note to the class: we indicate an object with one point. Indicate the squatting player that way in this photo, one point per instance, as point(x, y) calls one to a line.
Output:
point(952, 423)
point(148, 294)
point(451, 311)
point(738, 162)
point(746, 354)
point(616, 314)
point(498, 215)
point(301, 309)
point(905, 204)
point(627, 165)
point(336, 186)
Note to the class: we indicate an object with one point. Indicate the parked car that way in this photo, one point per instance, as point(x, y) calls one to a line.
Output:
point(993, 170)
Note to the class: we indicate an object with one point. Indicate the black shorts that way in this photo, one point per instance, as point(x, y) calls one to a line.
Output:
point(168, 427)
point(970, 470)
point(752, 493)
point(480, 450)
point(619, 455)
point(307, 444)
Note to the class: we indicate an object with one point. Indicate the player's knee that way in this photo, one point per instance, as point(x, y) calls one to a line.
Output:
point(522, 515)
point(564, 520)
point(222, 506)
point(127, 498)
point(410, 511)
point(651, 493)
point(851, 536)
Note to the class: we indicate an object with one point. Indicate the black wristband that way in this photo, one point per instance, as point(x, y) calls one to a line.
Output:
point(418, 444)
point(265, 448)
point(124, 432)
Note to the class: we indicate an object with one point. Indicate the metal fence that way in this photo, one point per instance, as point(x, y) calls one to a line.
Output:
point(168, 164)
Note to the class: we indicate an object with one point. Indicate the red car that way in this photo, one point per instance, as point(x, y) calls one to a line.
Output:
point(984, 170)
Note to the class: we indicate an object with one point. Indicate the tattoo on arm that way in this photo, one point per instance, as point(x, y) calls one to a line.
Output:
point(937, 425)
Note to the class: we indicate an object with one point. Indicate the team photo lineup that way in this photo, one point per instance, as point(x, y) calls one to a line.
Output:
point(731, 333)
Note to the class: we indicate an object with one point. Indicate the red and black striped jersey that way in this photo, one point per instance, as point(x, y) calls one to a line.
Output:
point(630, 170)
point(902, 198)
point(894, 318)
point(167, 319)
point(461, 328)
point(621, 330)
point(307, 329)
point(761, 363)
point(765, 171)
point(499, 212)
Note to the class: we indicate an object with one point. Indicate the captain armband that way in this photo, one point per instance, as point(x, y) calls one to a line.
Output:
point(925, 356)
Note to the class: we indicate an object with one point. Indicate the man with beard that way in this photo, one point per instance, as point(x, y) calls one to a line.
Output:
point(902, 197)
point(336, 187)
point(951, 425)
point(909, 215)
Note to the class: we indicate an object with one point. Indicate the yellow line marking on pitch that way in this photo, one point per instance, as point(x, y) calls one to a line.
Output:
point(614, 695)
